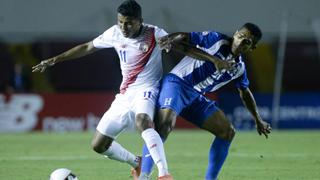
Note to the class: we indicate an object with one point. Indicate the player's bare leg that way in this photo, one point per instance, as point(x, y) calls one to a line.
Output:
point(164, 122)
point(153, 142)
point(218, 125)
point(109, 148)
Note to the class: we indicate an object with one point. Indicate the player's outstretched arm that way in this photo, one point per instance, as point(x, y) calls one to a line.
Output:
point(166, 42)
point(199, 54)
point(180, 41)
point(76, 52)
point(249, 101)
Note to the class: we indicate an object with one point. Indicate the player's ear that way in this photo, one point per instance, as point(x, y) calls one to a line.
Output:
point(254, 46)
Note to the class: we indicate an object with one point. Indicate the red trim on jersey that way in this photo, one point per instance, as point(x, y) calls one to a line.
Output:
point(143, 60)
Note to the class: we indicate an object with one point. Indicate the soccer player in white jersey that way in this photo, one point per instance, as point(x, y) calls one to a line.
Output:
point(183, 89)
point(141, 66)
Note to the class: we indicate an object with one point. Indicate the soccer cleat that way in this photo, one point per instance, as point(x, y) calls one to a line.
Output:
point(144, 176)
point(166, 177)
point(135, 172)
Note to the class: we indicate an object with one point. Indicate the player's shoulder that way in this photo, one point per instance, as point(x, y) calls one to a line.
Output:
point(157, 30)
point(219, 35)
point(208, 38)
point(210, 34)
point(150, 26)
point(112, 30)
point(223, 36)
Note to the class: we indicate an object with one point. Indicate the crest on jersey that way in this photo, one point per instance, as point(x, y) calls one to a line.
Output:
point(144, 47)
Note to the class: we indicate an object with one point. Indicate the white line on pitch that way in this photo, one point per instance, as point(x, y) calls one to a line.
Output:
point(279, 155)
point(40, 158)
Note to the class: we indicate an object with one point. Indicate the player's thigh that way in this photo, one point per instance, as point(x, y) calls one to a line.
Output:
point(165, 116)
point(218, 124)
point(144, 107)
point(165, 121)
point(205, 114)
point(116, 119)
point(199, 110)
point(175, 95)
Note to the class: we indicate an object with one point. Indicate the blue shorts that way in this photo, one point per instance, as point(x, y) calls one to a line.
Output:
point(179, 96)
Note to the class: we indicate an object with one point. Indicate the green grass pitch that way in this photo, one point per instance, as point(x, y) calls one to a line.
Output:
point(286, 155)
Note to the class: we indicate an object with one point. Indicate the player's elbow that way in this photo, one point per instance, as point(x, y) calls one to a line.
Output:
point(89, 46)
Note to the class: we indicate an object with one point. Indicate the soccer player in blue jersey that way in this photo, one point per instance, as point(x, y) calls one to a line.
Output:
point(183, 89)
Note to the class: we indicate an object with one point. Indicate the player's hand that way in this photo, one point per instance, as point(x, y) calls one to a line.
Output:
point(43, 65)
point(263, 128)
point(222, 65)
point(165, 43)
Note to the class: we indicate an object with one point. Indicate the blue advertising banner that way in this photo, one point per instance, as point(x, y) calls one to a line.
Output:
point(297, 110)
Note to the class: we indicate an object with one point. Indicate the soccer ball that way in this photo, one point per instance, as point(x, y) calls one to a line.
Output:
point(62, 174)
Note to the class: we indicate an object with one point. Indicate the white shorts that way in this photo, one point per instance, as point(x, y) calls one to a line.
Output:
point(121, 114)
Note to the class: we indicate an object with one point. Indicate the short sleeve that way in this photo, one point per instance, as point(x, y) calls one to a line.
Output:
point(204, 39)
point(105, 40)
point(242, 82)
point(158, 32)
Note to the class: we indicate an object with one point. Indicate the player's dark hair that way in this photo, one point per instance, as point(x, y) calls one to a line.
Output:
point(130, 8)
point(254, 29)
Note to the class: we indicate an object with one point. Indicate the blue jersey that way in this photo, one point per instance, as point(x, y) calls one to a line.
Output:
point(202, 75)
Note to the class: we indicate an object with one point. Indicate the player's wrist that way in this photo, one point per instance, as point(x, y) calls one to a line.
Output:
point(53, 61)
point(258, 119)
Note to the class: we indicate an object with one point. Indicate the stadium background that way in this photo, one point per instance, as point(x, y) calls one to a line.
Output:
point(34, 30)
point(73, 95)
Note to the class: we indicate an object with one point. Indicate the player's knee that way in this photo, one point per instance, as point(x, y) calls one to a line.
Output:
point(228, 134)
point(232, 133)
point(143, 122)
point(99, 147)
point(165, 128)
point(166, 121)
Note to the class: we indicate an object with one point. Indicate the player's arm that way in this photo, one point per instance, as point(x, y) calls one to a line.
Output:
point(194, 52)
point(250, 103)
point(180, 42)
point(76, 52)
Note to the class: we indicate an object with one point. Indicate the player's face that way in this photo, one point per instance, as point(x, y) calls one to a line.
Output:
point(129, 26)
point(243, 41)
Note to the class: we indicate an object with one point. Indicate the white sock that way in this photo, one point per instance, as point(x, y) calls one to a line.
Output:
point(155, 146)
point(117, 152)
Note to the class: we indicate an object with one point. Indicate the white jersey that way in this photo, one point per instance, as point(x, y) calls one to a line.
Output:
point(140, 57)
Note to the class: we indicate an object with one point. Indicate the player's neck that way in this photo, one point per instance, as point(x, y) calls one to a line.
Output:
point(138, 32)
point(233, 51)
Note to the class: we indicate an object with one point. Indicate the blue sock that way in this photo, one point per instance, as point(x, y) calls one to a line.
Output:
point(217, 155)
point(147, 161)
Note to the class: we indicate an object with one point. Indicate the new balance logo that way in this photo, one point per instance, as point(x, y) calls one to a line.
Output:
point(153, 146)
point(167, 101)
point(147, 155)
